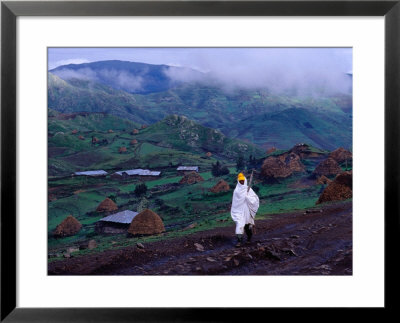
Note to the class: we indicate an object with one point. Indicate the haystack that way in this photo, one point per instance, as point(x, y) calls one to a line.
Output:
point(221, 186)
point(144, 126)
point(74, 131)
point(341, 155)
point(68, 227)
point(281, 166)
point(322, 180)
point(327, 167)
point(133, 142)
point(122, 150)
point(81, 137)
point(107, 205)
point(146, 223)
point(273, 167)
point(110, 131)
point(339, 189)
point(135, 132)
point(292, 161)
point(208, 154)
point(191, 178)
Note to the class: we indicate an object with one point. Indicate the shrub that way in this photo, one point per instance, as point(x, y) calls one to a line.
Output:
point(140, 189)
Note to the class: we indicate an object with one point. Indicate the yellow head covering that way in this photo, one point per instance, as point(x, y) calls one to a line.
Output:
point(241, 177)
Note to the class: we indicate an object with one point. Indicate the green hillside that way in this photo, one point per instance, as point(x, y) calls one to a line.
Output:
point(173, 141)
point(236, 114)
point(181, 133)
point(286, 128)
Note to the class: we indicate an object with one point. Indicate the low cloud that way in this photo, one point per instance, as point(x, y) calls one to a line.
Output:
point(119, 79)
point(302, 71)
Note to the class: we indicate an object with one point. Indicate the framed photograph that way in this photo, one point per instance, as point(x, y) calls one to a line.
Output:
point(192, 155)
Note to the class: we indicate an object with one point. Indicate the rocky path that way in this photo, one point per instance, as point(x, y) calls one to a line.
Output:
point(300, 243)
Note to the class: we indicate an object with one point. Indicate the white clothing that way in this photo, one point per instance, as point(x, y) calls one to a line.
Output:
point(244, 206)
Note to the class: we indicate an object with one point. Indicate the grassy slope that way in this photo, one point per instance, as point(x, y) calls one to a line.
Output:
point(173, 141)
point(217, 109)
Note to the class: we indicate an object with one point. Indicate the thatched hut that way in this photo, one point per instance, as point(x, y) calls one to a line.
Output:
point(107, 205)
point(146, 222)
point(68, 227)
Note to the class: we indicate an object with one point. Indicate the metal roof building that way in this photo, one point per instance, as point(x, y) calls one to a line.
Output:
point(124, 217)
point(139, 172)
point(91, 173)
point(188, 168)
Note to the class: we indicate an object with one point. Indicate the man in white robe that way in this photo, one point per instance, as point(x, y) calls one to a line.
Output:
point(245, 204)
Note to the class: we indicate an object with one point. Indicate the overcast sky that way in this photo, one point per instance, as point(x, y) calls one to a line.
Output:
point(231, 67)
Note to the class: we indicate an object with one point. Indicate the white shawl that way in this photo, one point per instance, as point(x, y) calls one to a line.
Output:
point(244, 204)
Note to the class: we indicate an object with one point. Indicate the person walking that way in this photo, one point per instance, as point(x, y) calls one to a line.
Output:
point(245, 203)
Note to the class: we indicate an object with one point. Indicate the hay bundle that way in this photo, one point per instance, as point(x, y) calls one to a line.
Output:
point(221, 186)
point(122, 150)
point(135, 132)
point(107, 205)
point(191, 178)
point(323, 180)
point(144, 126)
point(273, 167)
point(208, 154)
point(339, 189)
point(341, 155)
point(281, 166)
point(327, 167)
point(146, 223)
point(81, 137)
point(133, 142)
point(68, 227)
point(74, 131)
point(292, 161)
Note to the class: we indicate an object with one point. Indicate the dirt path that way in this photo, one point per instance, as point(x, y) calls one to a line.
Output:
point(314, 243)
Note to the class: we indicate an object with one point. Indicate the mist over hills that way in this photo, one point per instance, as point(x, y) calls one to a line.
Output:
point(145, 94)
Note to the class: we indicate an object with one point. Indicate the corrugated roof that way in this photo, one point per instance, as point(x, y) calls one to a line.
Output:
point(140, 172)
point(120, 217)
point(92, 173)
point(196, 168)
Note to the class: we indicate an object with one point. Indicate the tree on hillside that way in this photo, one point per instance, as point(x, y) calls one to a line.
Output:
point(140, 189)
point(252, 162)
point(219, 170)
point(240, 163)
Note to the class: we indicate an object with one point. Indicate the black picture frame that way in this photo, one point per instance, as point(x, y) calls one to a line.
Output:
point(10, 10)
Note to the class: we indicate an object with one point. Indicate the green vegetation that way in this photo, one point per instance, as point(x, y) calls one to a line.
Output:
point(188, 125)
point(255, 116)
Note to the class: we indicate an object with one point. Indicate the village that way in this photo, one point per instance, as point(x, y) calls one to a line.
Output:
point(159, 208)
